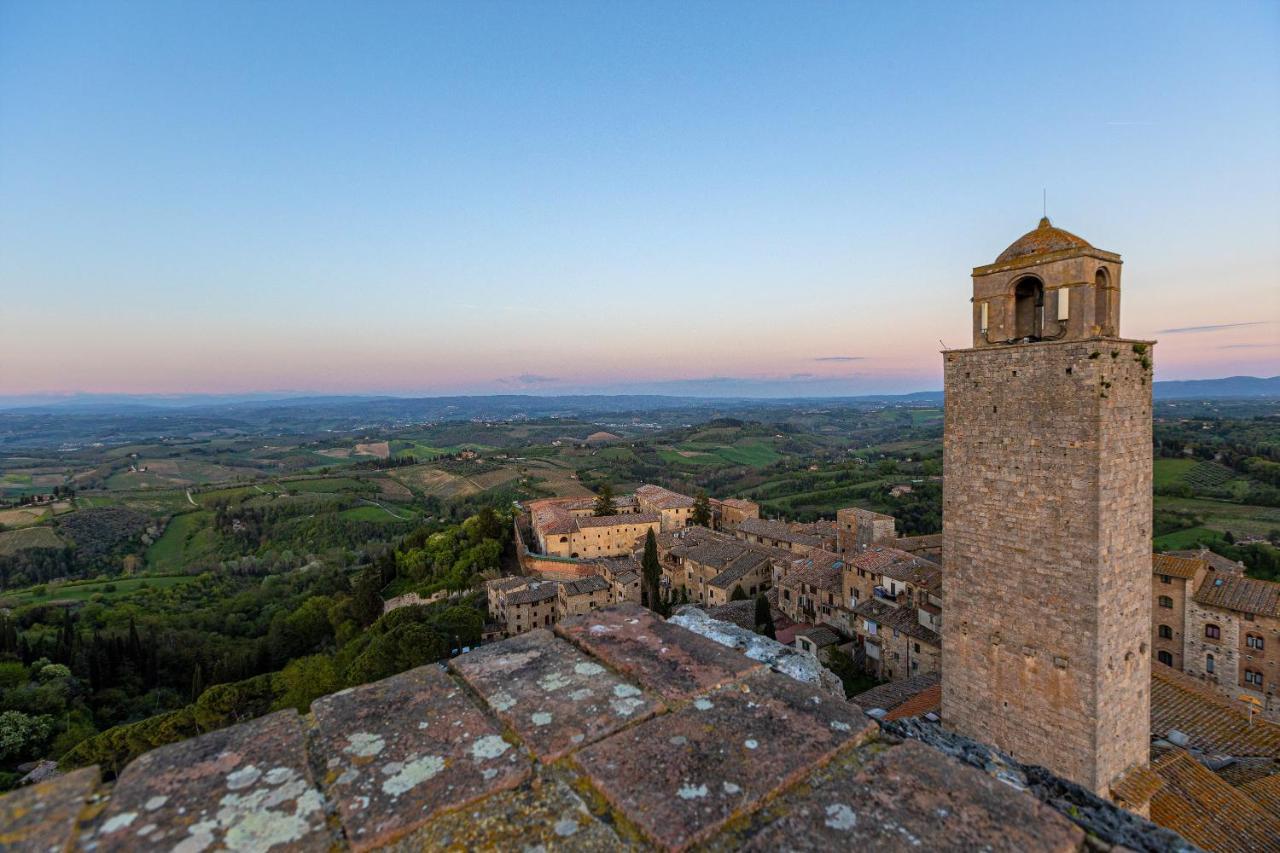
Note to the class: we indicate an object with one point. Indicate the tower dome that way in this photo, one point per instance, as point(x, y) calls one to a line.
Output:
point(1044, 239)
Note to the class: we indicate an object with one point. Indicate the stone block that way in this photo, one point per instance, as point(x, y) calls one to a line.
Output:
point(910, 797)
point(43, 816)
point(683, 775)
point(545, 814)
point(246, 787)
point(663, 657)
point(399, 751)
point(554, 696)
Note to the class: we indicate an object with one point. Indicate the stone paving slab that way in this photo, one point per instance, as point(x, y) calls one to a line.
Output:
point(244, 787)
point(43, 816)
point(554, 696)
point(399, 751)
point(662, 657)
point(909, 797)
point(683, 775)
point(544, 814)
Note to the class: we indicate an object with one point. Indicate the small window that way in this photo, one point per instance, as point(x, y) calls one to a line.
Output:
point(1064, 304)
point(1208, 663)
point(1166, 633)
point(983, 310)
point(1166, 579)
point(1253, 641)
point(1166, 602)
point(1165, 658)
point(1213, 632)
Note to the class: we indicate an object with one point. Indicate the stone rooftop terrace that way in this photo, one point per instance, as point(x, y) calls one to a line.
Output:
point(619, 730)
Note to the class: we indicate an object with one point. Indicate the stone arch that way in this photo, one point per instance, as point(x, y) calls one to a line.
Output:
point(1102, 300)
point(1028, 307)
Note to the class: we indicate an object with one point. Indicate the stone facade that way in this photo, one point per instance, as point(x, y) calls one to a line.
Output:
point(858, 528)
point(1047, 524)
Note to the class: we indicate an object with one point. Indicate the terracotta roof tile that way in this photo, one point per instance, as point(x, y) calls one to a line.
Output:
point(1174, 566)
point(1241, 594)
point(1213, 722)
point(1203, 809)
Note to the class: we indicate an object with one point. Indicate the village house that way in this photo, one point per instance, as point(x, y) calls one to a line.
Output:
point(706, 566)
point(623, 575)
point(809, 592)
point(857, 529)
point(520, 604)
point(729, 513)
point(575, 598)
point(778, 534)
point(674, 509)
point(567, 527)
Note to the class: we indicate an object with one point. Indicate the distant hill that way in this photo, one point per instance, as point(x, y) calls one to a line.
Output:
point(1206, 389)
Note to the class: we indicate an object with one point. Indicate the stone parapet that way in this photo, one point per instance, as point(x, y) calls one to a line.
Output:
point(619, 731)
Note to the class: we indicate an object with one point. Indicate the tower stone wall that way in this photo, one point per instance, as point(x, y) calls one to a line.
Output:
point(1047, 554)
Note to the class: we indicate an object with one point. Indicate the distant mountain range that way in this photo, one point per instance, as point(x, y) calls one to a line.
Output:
point(496, 405)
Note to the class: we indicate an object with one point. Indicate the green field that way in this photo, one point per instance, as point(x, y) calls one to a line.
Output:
point(330, 484)
point(1181, 540)
point(86, 590)
point(12, 541)
point(1224, 515)
point(377, 514)
point(186, 536)
point(1167, 472)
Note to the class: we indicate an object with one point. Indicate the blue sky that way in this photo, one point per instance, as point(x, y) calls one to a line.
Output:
point(434, 198)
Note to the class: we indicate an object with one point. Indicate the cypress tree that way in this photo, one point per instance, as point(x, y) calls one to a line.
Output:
point(764, 618)
point(651, 571)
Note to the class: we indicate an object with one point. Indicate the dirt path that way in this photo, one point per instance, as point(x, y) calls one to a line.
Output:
point(193, 503)
point(384, 509)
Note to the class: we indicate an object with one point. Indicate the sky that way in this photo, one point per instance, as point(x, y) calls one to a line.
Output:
point(714, 198)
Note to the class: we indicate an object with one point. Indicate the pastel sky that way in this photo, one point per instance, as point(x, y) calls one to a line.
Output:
point(757, 198)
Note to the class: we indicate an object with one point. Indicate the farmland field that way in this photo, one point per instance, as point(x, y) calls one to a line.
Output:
point(1167, 472)
point(186, 536)
point(84, 591)
point(28, 537)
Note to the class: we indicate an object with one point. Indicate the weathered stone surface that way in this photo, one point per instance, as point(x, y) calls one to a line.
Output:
point(554, 696)
point(399, 751)
point(244, 787)
point(909, 798)
point(780, 658)
point(43, 816)
point(681, 776)
point(543, 814)
point(663, 657)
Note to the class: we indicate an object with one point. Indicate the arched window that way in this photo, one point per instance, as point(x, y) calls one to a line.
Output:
point(1166, 602)
point(1213, 632)
point(1253, 641)
point(1028, 307)
point(1101, 302)
point(1165, 658)
point(1166, 633)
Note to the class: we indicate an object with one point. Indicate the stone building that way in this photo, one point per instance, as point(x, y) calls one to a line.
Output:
point(731, 512)
point(1047, 514)
point(779, 534)
point(857, 528)
point(574, 598)
point(707, 565)
point(1173, 581)
point(674, 509)
point(567, 527)
point(810, 592)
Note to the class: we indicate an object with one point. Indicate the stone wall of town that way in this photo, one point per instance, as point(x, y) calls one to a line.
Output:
point(1178, 591)
point(1047, 524)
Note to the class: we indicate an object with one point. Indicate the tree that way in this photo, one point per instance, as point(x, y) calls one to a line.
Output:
point(368, 597)
point(651, 571)
point(764, 617)
point(605, 504)
point(701, 510)
point(739, 594)
point(22, 734)
point(304, 680)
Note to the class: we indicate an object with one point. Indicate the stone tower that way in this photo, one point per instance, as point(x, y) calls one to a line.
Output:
point(1047, 515)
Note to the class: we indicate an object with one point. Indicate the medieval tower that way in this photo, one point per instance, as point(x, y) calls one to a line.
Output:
point(1047, 515)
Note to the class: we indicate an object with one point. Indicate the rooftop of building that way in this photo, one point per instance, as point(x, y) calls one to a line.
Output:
point(624, 520)
point(1241, 594)
point(820, 635)
point(1192, 800)
point(1209, 721)
point(1174, 566)
point(1217, 562)
point(893, 694)
point(1042, 240)
point(662, 498)
point(779, 530)
point(585, 586)
point(901, 619)
point(536, 592)
point(820, 575)
point(617, 731)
